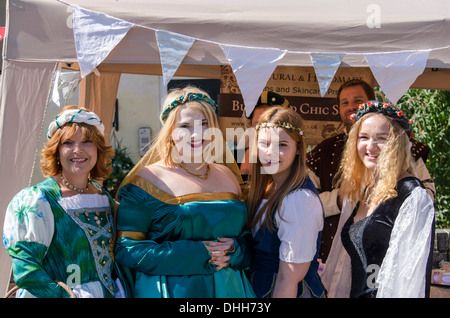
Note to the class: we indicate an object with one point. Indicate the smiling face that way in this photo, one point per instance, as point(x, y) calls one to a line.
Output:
point(188, 134)
point(372, 138)
point(349, 100)
point(276, 151)
point(77, 156)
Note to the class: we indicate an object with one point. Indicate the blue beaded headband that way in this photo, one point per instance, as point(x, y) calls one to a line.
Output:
point(189, 97)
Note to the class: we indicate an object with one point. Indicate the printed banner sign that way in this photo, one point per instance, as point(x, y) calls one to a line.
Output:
point(299, 85)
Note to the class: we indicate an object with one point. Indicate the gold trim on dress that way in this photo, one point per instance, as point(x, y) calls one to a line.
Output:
point(168, 198)
point(137, 236)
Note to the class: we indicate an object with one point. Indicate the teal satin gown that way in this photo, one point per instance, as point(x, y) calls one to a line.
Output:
point(160, 242)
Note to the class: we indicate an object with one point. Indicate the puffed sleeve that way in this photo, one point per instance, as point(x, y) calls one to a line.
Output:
point(27, 234)
point(402, 273)
point(136, 251)
point(299, 225)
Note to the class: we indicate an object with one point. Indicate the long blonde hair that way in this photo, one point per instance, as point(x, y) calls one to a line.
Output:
point(394, 160)
point(260, 182)
point(162, 145)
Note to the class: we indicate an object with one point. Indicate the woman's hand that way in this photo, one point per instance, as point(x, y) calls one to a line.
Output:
point(219, 250)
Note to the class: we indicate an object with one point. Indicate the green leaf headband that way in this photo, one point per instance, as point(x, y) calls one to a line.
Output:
point(387, 110)
point(75, 116)
point(279, 124)
point(189, 97)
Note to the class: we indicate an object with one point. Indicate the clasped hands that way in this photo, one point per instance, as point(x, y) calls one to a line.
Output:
point(219, 250)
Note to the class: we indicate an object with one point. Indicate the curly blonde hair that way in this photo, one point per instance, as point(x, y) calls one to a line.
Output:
point(49, 163)
point(394, 160)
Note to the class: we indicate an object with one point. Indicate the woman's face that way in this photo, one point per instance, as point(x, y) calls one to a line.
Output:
point(372, 138)
point(276, 151)
point(77, 156)
point(188, 134)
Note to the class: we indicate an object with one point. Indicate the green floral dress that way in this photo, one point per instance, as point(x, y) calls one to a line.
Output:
point(51, 238)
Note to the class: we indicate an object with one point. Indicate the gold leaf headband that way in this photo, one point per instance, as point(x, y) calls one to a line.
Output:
point(279, 124)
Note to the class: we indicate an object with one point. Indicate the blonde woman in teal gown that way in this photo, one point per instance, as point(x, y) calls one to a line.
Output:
point(181, 218)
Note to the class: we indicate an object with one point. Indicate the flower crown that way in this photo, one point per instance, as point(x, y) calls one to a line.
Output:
point(387, 110)
point(189, 97)
point(279, 124)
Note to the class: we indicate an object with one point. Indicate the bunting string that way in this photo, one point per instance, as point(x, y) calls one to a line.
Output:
point(252, 66)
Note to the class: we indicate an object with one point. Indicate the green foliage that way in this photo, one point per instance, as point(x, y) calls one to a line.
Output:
point(121, 165)
point(430, 110)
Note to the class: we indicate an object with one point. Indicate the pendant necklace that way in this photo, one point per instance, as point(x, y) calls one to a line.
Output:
point(203, 177)
point(72, 187)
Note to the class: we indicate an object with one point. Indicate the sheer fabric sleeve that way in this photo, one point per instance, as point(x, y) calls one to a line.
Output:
point(402, 273)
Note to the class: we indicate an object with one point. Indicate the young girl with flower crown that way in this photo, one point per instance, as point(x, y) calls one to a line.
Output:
point(284, 211)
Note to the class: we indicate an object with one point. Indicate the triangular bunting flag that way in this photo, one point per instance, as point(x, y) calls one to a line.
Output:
point(252, 68)
point(326, 65)
point(64, 86)
point(396, 72)
point(96, 35)
point(173, 47)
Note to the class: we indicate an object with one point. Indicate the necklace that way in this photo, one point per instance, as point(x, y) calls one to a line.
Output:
point(203, 177)
point(72, 187)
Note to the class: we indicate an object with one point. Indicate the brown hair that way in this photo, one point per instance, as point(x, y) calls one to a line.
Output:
point(259, 182)
point(356, 82)
point(49, 163)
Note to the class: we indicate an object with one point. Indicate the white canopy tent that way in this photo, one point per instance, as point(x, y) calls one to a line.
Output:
point(405, 44)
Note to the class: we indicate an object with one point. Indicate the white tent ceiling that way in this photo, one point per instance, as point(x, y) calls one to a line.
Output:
point(42, 28)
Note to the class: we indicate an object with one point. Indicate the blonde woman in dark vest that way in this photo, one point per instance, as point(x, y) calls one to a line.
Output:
point(383, 241)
